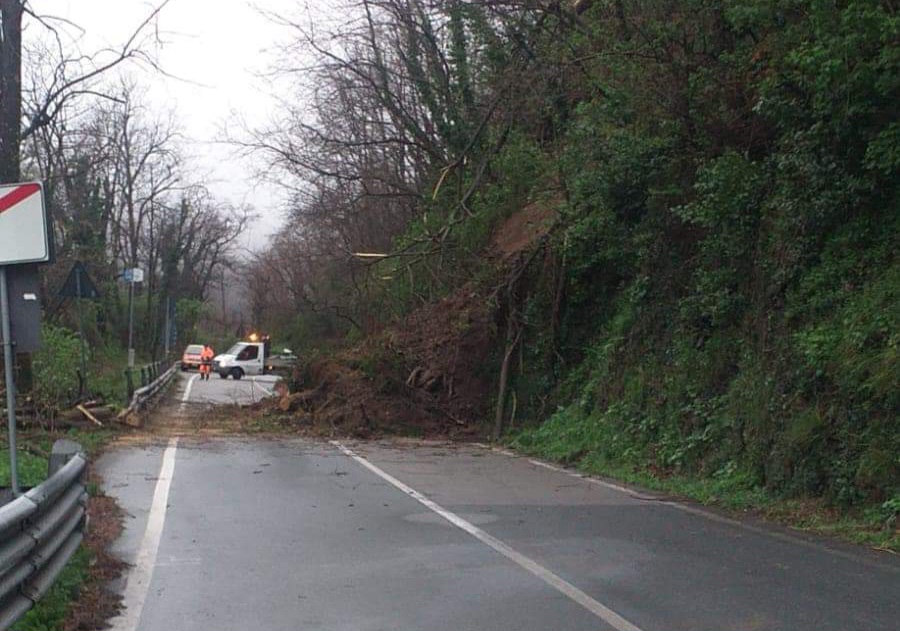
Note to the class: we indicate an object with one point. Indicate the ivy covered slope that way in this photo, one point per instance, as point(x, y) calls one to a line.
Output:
point(732, 296)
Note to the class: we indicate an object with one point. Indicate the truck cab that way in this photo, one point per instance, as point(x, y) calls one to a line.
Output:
point(244, 358)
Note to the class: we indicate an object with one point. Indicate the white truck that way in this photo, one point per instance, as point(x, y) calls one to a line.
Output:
point(250, 358)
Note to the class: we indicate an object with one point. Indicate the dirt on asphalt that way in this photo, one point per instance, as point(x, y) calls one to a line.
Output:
point(96, 602)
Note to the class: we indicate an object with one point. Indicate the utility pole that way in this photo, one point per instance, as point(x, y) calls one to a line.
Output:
point(8, 359)
point(132, 276)
point(11, 12)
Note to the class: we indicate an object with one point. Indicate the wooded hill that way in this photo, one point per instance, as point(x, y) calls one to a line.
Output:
point(710, 286)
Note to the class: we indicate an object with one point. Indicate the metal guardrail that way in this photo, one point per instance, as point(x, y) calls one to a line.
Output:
point(148, 374)
point(154, 381)
point(40, 531)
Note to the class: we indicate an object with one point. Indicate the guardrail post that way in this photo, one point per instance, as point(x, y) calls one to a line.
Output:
point(62, 451)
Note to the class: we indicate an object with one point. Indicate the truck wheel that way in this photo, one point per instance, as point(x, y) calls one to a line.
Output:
point(223, 375)
point(237, 373)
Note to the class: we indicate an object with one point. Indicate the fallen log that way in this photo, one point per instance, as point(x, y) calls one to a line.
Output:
point(87, 414)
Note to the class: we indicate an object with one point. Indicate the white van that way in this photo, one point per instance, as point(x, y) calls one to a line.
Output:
point(244, 358)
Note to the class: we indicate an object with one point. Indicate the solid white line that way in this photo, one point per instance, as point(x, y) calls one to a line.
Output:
point(586, 478)
point(660, 500)
point(138, 582)
point(187, 390)
point(554, 580)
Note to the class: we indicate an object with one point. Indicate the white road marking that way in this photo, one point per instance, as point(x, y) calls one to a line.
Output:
point(661, 500)
point(586, 478)
point(187, 389)
point(138, 582)
point(554, 580)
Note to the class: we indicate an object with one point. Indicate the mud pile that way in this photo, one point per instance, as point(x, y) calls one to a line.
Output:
point(433, 373)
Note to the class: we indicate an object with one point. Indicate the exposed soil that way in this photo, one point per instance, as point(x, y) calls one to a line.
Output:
point(423, 376)
point(431, 374)
point(525, 227)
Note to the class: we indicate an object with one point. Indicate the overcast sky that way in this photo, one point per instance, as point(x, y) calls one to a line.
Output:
point(218, 48)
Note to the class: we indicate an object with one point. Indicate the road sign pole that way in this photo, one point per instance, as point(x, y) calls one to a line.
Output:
point(8, 359)
point(131, 324)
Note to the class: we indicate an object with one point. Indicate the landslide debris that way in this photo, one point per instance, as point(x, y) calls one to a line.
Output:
point(433, 373)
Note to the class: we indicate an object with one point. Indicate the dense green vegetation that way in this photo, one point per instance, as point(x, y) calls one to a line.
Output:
point(719, 299)
point(733, 302)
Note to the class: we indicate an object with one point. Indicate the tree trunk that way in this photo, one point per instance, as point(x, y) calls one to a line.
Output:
point(10, 89)
point(512, 339)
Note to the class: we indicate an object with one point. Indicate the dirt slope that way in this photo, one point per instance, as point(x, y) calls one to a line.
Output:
point(433, 372)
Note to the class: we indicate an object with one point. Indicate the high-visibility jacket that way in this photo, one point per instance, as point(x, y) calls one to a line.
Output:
point(206, 355)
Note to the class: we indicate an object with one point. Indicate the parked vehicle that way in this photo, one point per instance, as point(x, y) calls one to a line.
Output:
point(191, 357)
point(244, 358)
point(251, 358)
point(282, 363)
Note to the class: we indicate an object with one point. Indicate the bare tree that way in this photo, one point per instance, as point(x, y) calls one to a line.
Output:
point(388, 111)
point(69, 75)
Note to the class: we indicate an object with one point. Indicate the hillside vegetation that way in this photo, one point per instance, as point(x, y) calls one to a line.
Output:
point(714, 290)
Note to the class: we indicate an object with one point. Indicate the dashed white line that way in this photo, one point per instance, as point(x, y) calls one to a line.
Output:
point(600, 610)
point(138, 582)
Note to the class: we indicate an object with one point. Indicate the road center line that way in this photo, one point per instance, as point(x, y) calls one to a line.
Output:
point(554, 580)
point(137, 584)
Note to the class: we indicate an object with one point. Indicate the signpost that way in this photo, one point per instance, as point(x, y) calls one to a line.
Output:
point(24, 238)
point(132, 276)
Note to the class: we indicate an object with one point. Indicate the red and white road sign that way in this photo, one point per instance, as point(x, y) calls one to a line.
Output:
point(23, 224)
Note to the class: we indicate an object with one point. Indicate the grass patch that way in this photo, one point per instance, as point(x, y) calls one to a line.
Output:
point(34, 452)
point(51, 612)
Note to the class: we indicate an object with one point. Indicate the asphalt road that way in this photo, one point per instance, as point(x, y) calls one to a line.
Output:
point(191, 389)
point(237, 534)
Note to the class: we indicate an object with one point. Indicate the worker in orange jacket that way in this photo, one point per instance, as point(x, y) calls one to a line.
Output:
point(206, 360)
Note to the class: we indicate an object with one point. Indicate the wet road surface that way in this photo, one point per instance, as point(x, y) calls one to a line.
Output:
point(281, 535)
point(219, 391)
